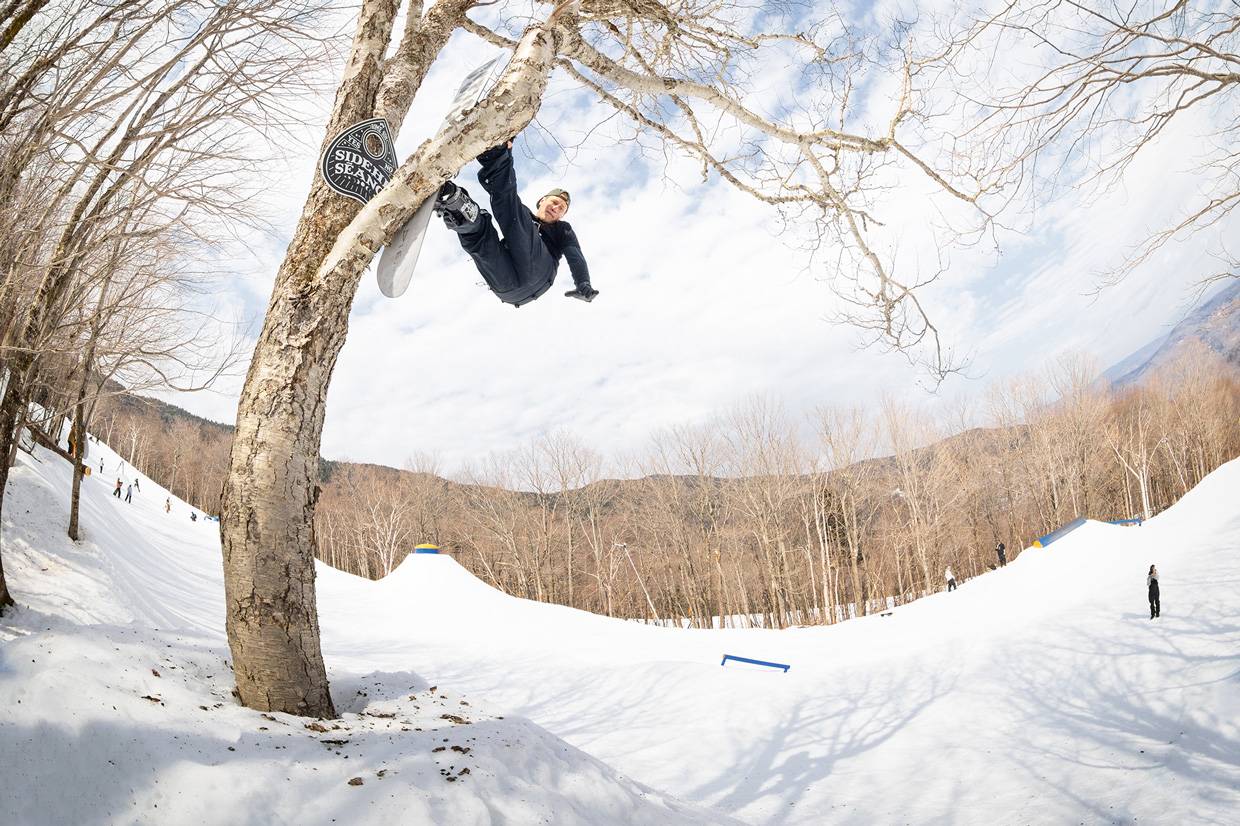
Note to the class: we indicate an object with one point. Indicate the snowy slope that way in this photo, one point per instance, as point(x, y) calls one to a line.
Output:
point(115, 701)
point(1038, 693)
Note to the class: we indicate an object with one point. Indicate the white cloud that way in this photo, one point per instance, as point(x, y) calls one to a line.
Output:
point(701, 303)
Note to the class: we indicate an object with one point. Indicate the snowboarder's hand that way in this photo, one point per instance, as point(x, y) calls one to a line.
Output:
point(584, 292)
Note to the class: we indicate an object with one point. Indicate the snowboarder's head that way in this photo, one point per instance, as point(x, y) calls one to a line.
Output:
point(552, 206)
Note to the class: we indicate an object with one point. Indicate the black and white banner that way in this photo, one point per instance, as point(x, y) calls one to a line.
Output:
point(360, 160)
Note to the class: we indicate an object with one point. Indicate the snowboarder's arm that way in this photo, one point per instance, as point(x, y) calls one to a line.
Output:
point(576, 260)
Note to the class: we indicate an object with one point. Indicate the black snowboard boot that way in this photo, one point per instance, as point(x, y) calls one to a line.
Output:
point(455, 207)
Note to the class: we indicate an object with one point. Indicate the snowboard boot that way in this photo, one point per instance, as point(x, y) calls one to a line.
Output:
point(455, 207)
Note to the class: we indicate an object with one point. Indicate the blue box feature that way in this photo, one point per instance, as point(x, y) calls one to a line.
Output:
point(1043, 541)
point(735, 658)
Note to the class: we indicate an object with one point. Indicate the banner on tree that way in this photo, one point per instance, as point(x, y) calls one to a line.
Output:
point(360, 160)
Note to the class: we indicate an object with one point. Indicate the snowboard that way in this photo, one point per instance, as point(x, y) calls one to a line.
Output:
point(400, 257)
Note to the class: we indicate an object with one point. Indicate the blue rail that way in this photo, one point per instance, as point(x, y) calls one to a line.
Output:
point(735, 658)
point(1043, 541)
point(1134, 521)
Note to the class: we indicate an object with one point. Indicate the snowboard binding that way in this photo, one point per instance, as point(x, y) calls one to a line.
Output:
point(455, 207)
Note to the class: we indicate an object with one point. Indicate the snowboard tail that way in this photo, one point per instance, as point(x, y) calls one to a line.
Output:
point(400, 258)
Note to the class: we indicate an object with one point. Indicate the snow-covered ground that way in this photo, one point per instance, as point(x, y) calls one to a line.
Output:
point(1040, 693)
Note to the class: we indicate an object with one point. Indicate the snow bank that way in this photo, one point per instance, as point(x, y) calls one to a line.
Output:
point(1041, 692)
point(116, 705)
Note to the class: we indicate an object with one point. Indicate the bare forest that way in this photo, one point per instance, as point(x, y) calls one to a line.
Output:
point(133, 142)
point(757, 518)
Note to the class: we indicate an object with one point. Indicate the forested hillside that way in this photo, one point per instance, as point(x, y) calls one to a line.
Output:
point(749, 517)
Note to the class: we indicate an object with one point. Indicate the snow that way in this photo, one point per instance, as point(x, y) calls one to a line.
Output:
point(1041, 692)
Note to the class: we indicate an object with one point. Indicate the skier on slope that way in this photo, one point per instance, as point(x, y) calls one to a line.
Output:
point(520, 266)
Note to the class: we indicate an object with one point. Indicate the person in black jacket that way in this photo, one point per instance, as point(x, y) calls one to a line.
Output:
point(1151, 582)
point(520, 266)
point(1002, 552)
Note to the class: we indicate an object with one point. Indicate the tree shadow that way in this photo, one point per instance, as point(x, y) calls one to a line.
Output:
point(56, 774)
point(353, 693)
point(856, 714)
point(773, 738)
point(1131, 712)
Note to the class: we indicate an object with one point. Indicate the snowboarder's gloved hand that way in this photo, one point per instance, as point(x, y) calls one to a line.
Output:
point(584, 292)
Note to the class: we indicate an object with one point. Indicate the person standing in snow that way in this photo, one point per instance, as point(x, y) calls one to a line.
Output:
point(1151, 582)
point(129, 493)
point(520, 266)
point(951, 579)
point(117, 491)
point(168, 505)
point(1002, 552)
point(136, 486)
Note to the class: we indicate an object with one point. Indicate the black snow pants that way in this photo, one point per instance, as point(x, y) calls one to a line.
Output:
point(517, 267)
point(1155, 608)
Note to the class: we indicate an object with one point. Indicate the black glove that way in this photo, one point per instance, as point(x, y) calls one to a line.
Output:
point(584, 292)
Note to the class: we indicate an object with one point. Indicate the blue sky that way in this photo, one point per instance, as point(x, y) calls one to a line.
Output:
point(703, 302)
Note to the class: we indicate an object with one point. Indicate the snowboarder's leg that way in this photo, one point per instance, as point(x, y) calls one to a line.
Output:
point(490, 255)
point(478, 237)
point(529, 255)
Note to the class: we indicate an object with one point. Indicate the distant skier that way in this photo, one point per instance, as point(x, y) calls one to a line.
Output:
point(520, 266)
point(117, 491)
point(1002, 552)
point(951, 579)
point(129, 493)
point(168, 505)
point(1151, 582)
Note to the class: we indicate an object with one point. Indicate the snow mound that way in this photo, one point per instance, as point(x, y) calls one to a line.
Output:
point(437, 578)
point(114, 674)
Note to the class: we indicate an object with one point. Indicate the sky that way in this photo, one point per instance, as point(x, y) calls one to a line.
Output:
point(704, 301)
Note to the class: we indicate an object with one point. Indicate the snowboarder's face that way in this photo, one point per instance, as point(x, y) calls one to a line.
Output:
point(551, 209)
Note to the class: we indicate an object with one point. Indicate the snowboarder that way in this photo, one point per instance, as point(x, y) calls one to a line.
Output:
point(136, 486)
point(168, 505)
point(1002, 552)
point(520, 266)
point(951, 579)
point(117, 491)
point(1151, 582)
point(129, 493)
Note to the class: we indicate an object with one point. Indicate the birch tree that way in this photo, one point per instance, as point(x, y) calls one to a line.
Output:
point(685, 74)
